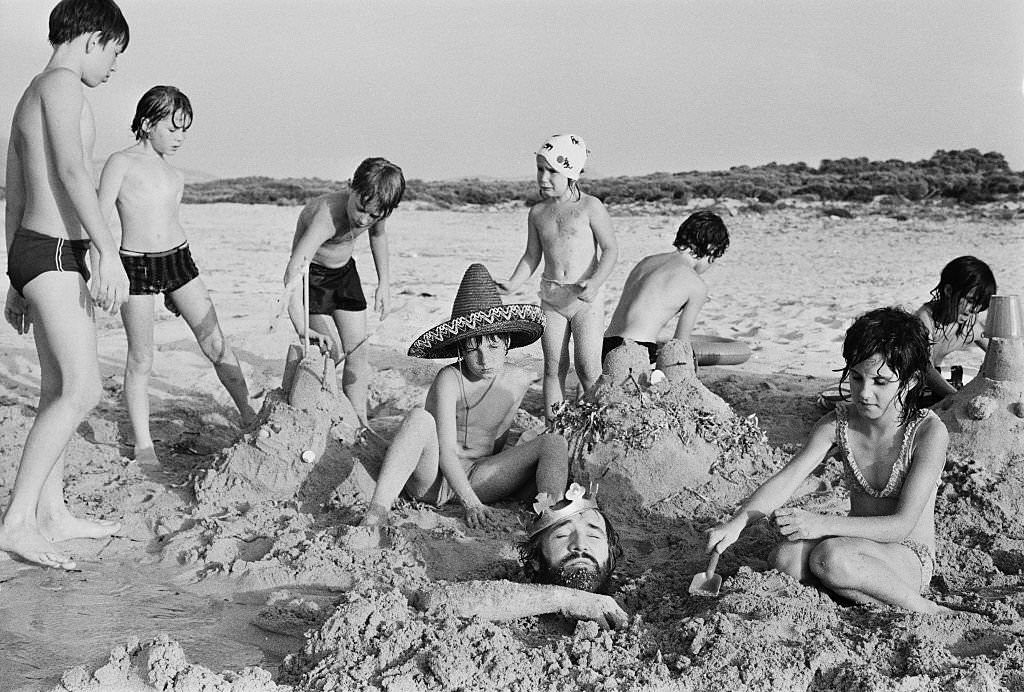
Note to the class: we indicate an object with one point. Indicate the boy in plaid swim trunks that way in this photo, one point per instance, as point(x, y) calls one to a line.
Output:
point(147, 191)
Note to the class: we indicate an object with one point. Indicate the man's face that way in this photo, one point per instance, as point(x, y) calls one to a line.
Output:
point(576, 551)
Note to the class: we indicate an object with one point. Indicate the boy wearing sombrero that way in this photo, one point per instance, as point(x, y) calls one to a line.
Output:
point(453, 447)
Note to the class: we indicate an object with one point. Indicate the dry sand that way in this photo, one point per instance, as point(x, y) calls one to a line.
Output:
point(271, 588)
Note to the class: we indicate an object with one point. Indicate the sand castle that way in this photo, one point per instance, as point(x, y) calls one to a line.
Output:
point(663, 443)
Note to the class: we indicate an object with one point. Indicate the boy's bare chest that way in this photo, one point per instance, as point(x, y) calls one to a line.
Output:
point(153, 181)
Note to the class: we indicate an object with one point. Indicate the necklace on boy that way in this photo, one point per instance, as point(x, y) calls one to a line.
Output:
point(469, 407)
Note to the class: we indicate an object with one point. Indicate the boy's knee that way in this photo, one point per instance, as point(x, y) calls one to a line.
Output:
point(419, 419)
point(214, 347)
point(554, 446)
point(140, 361)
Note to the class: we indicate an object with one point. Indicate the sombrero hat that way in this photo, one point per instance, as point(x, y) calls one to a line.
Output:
point(477, 311)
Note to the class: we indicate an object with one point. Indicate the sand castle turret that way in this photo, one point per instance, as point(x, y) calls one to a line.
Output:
point(986, 418)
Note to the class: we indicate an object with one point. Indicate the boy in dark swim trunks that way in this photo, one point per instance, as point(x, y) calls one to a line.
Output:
point(154, 250)
point(52, 217)
point(668, 285)
point(324, 239)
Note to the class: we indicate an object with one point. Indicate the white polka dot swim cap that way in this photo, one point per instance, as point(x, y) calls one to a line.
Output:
point(567, 154)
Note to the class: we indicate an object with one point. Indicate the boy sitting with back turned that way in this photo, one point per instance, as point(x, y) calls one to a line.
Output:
point(454, 447)
point(324, 239)
point(668, 284)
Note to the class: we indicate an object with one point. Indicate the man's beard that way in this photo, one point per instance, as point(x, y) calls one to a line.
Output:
point(590, 577)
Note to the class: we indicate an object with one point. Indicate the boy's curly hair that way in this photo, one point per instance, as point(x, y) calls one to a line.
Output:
point(69, 19)
point(901, 339)
point(537, 571)
point(704, 234)
point(378, 180)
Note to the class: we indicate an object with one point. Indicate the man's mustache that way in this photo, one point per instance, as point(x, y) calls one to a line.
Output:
point(580, 556)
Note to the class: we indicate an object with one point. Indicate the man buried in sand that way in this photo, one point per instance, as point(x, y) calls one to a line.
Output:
point(454, 446)
point(567, 227)
point(325, 237)
point(147, 191)
point(663, 286)
point(569, 556)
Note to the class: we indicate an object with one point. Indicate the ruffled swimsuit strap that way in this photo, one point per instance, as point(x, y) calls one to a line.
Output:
point(852, 477)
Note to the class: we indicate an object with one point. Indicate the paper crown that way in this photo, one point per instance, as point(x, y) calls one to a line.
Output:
point(548, 516)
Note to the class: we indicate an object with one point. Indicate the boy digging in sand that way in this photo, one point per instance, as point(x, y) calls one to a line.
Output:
point(567, 227)
point(453, 447)
point(53, 217)
point(147, 191)
point(324, 239)
point(663, 286)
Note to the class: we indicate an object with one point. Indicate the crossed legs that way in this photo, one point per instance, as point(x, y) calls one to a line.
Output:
point(859, 569)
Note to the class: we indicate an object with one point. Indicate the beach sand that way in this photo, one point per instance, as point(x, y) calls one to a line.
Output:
point(213, 593)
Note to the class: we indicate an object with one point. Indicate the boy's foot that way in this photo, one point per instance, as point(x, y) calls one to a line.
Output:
point(146, 455)
point(32, 546)
point(66, 526)
point(249, 418)
point(376, 515)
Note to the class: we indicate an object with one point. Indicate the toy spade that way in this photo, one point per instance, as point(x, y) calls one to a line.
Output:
point(707, 583)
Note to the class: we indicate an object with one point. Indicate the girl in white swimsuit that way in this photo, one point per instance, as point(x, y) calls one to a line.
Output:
point(892, 453)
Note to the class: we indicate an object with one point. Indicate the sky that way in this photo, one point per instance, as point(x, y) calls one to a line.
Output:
point(460, 88)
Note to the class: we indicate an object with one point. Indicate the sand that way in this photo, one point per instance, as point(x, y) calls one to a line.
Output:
point(239, 569)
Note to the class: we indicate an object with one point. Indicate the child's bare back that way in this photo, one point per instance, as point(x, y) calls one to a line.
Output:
point(659, 288)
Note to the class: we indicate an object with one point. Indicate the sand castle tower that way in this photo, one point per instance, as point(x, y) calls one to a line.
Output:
point(986, 418)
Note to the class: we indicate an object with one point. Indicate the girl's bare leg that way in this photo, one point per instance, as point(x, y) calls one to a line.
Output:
point(587, 335)
point(555, 345)
point(870, 572)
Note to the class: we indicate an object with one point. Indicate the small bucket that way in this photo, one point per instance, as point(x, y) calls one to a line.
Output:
point(1004, 318)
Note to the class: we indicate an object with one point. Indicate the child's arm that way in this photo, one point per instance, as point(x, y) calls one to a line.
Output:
point(506, 600)
point(111, 179)
point(777, 489)
point(442, 399)
point(528, 262)
point(927, 461)
point(932, 377)
point(379, 250)
point(698, 295)
point(16, 309)
point(307, 241)
point(62, 105)
point(604, 236)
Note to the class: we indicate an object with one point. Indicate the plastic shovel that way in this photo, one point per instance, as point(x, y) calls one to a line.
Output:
point(707, 583)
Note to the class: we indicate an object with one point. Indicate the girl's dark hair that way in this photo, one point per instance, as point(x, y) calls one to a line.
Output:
point(536, 569)
point(704, 234)
point(965, 277)
point(158, 103)
point(378, 180)
point(901, 339)
point(72, 18)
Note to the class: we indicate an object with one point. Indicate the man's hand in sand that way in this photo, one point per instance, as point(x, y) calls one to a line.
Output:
point(597, 607)
point(799, 524)
point(109, 285)
point(16, 312)
point(722, 536)
point(482, 517)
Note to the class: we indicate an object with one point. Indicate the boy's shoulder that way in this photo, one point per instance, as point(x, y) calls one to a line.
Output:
point(57, 81)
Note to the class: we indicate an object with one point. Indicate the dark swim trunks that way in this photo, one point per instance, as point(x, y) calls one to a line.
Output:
point(33, 253)
point(159, 272)
point(611, 343)
point(335, 289)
